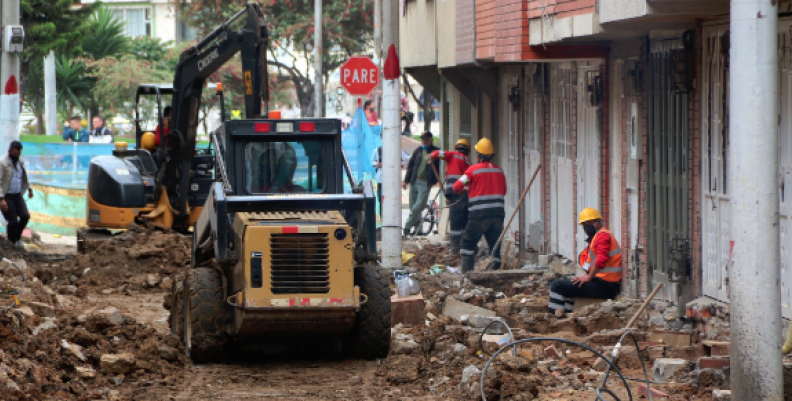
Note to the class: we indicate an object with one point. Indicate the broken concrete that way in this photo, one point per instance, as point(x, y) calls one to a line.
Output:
point(456, 309)
point(664, 368)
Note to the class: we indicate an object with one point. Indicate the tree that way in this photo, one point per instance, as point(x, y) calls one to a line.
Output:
point(155, 51)
point(107, 36)
point(424, 102)
point(50, 25)
point(73, 84)
point(346, 32)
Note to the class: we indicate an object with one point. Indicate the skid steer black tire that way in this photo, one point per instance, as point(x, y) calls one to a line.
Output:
point(176, 319)
point(371, 335)
point(206, 313)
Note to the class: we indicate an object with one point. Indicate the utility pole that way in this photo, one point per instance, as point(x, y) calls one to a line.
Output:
point(50, 95)
point(9, 72)
point(378, 47)
point(318, 84)
point(391, 147)
point(756, 371)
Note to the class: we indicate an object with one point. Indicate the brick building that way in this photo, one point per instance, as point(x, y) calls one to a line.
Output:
point(625, 105)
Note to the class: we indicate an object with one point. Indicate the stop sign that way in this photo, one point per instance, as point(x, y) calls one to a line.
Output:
point(359, 75)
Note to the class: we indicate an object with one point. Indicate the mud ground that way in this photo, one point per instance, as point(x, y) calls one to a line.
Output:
point(78, 309)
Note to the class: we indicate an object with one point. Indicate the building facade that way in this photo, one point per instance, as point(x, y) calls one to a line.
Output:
point(624, 103)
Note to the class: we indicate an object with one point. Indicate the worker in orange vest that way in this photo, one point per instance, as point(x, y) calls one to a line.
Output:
point(602, 262)
point(457, 163)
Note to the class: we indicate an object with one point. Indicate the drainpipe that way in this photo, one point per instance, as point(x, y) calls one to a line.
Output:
point(756, 371)
point(391, 147)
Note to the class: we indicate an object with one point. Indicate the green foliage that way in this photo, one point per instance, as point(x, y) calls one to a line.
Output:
point(73, 84)
point(54, 25)
point(347, 30)
point(153, 50)
point(117, 82)
point(107, 36)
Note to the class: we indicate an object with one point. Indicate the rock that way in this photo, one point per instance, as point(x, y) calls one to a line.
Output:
point(74, 349)
point(455, 309)
point(67, 289)
point(167, 353)
point(85, 372)
point(49, 323)
point(404, 347)
point(152, 280)
point(116, 318)
point(459, 348)
point(166, 284)
point(551, 352)
point(81, 292)
point(516, 363)
point(42, 309)
point(481, 322)
point(721, 395)
point(117, 363)
point(664, 368)
point(26, 311)
point(107, 291)
point(471, 371)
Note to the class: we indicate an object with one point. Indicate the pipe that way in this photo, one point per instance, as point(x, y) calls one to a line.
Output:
point(756, 370)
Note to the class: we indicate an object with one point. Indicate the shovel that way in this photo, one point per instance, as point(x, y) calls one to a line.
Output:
point(490, 259)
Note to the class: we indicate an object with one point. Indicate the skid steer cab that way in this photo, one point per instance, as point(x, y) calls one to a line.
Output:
point(279, 250)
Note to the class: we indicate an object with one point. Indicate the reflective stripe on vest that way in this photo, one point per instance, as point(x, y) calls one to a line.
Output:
point(612, 270)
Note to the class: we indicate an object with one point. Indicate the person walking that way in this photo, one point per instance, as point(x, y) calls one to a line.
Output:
point(420, 178)
point(602, 262)
point(486, 185)
point(376, 161)
point(457, 162)
point(13, 184)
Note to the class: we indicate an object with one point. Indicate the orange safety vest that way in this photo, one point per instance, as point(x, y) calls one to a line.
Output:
point(611, 272)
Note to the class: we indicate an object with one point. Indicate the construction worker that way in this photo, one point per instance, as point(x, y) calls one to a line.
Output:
point(457, 162)
point(486, 186)
point(602, 262)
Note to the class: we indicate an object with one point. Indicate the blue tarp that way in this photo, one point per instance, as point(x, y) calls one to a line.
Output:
point(360, 141)
point(63, 165)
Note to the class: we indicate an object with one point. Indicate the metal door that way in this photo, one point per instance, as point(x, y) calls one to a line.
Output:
point(532, 141)
point(667, 195)
point(562, 223)
point(614, 197)
point(785, 163)
point(512, 166)
point(714, 163)
point(588, 142)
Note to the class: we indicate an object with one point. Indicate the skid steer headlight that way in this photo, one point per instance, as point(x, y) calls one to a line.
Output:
point(340, 234)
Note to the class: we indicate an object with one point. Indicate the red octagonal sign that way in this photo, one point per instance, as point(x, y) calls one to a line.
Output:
point(359, 75)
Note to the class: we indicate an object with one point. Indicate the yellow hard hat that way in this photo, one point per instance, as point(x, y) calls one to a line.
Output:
point(148, 141)
point(589, 214)
point(462, 141)
point(484, 146)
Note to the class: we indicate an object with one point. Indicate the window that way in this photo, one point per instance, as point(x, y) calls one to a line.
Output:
point(186, 33)
point(137, 21)
point(284, 167)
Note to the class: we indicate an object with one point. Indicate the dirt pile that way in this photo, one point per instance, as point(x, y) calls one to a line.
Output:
point(136, 259)
point(445, 357)
point(99, 356)
point(428, 255)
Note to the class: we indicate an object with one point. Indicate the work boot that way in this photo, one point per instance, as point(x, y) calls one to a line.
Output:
point(468, 263)
point(455, 244)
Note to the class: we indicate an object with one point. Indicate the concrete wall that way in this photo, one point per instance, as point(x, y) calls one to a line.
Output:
point(446, 32)
point(417, 34)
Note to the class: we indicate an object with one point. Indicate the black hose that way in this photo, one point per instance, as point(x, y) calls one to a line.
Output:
point(565, 341)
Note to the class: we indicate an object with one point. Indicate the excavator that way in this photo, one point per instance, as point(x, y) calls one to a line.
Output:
point(284, 236)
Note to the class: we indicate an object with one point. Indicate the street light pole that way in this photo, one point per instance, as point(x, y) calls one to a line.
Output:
point(391, 147)
point(755, 299)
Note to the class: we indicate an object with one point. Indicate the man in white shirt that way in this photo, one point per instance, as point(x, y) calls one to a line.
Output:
point(13, 184)
point(100, 133)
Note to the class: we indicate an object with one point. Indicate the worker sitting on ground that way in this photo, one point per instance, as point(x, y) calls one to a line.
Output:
point(602, 262)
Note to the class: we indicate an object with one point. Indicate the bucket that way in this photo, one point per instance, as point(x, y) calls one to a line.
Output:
point(403, 288)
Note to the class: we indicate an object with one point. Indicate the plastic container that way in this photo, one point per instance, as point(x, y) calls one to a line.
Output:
point(403, 288)
point(414, 287)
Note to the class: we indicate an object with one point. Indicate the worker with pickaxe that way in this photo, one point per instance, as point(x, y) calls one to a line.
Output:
point(457, 162)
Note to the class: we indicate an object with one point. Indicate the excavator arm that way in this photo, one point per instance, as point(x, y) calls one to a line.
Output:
point(195, 66)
